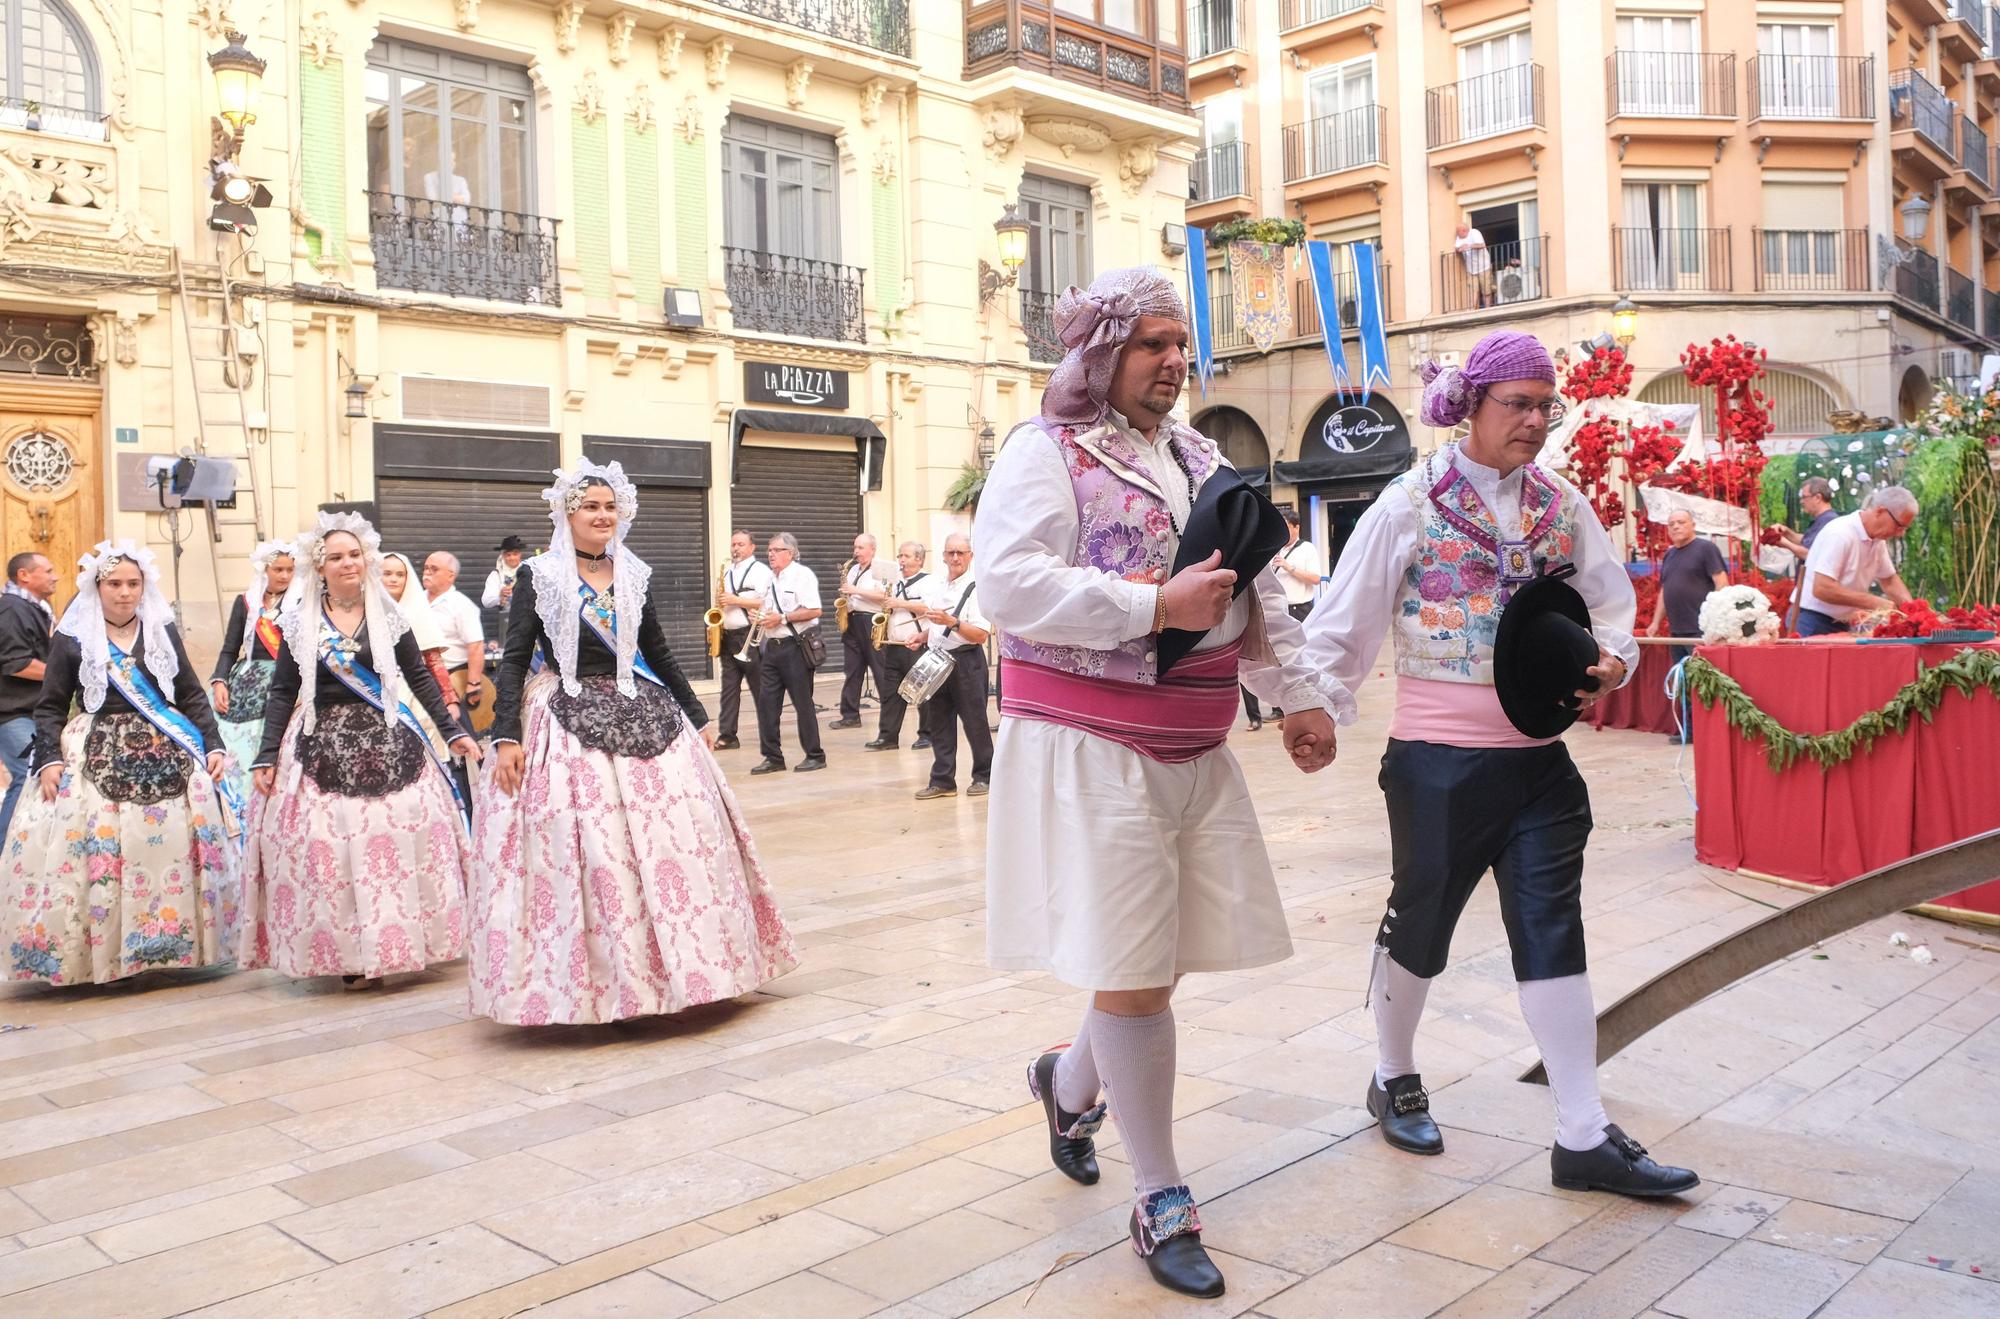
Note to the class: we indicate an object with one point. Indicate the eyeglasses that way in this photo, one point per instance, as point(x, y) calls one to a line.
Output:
point(1554, 409)
point(1900, 525)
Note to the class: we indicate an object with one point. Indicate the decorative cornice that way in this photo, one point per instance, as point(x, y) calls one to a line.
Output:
point(618, 36)
point(668, 47)
point(718, 61)
point(1069, 135)
point(872, 93)
point(569, 22)
point(1000, 131)
point(798, 75)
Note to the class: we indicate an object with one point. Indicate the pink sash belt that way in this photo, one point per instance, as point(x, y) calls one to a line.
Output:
point(1185, 716)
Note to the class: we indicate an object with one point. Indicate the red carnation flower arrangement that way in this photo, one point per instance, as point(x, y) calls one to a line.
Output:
point(1918, 618)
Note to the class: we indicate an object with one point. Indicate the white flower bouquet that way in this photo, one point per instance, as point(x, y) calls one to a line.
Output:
point(1737, 616)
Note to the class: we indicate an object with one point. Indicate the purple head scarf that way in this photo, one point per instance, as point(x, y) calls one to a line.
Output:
point(1452, 392)
point(1093, 325)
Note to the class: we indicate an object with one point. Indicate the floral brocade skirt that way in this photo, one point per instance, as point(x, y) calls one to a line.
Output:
point(129, 869)
point(243, 727)
point(362, 877)
point(613, 886)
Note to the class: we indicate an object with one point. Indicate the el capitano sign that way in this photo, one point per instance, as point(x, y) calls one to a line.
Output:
point(800, 386)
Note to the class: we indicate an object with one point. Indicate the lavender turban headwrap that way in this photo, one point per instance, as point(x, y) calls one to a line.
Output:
point(1452, 392)
point(1093, 325)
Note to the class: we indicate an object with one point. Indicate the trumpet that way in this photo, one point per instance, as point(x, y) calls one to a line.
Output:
point(843, 607)
point(712, 620)
point(750, 643)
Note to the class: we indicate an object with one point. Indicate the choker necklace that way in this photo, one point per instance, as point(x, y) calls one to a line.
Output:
point(355, 603)
point(588, 557)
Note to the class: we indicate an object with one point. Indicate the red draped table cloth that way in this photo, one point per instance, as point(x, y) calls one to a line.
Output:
point(1641, 703)
point(1928, 786)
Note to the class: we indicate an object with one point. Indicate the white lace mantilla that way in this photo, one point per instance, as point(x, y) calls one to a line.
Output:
point(558, 585)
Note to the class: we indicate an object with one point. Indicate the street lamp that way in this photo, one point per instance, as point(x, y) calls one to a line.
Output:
point(1916, 214)
point(1624, 322)
point(238, 76)
point(986, 438)
point(1012, 231)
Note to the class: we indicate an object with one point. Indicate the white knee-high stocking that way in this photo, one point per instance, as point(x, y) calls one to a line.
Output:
point(1136, 1056)
point(1563, 1020)
point(1398, 1000)
point(1077, 1082)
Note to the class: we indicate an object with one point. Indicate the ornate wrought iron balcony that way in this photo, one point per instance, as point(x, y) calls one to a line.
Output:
point(794, 295)
point(466, 251)
point(1039, 35)
point(1038, 320)
point(879, 24)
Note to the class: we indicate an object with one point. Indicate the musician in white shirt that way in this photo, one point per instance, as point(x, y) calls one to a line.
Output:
point(744, 587)
point(791, 611)
point(956, 626)
point(904, 641)
point(1297, 572)
point(865, 585)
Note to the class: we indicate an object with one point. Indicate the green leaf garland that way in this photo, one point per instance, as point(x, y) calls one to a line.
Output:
point(1967, 672)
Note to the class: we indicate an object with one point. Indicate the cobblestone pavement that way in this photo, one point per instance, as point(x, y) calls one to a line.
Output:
point(858, 1139)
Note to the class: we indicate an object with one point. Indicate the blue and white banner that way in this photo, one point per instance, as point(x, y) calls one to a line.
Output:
point(1199, 316)
point(1319, 265)
point(1368, 297)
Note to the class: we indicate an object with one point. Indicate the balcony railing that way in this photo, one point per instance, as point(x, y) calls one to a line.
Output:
point(1812, 86)
point(1335, 142)
point(1670, 260)
point(1812, 260)
point(1219, 171)
point(1917, 278)
point(1038, 320)
point(1213, 27)
point(1346, 302)
point(794, 295)
point(1223, 333)
point(1915, 102)
point(1298, 13)
point(40, 117)
point(465, 251)
point(1039, 35)
point(879, 24)
point(1497, 275)
point(1989, 306)
point(1662, 82)
point(1484, 106)
point(1975, 152)
point(1962, 303)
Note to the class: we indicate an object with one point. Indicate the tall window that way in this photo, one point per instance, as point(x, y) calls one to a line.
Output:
point(779, 190)
point(1798, 74)
point(449, 129)
point(1803, 241)
point(1344, 130)
point(1124, 15)
point(1498, 93)
point(1058, 216)
point(49, 59)
point(1657, 71)
point(1660, 242)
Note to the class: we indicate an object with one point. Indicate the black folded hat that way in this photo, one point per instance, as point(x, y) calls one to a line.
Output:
point(511, 543)
point(1232, 516)
point(1542, 655)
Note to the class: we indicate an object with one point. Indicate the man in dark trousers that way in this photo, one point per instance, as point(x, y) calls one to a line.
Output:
point(791, 616)
point(863, 586)
point(1693, 567)
point(742, 594)
point(906, 603)
point(957, 627)
point(26, 621)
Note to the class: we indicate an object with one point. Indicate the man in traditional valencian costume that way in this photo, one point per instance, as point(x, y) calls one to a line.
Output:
point(1491, 575)
point(1124, 851)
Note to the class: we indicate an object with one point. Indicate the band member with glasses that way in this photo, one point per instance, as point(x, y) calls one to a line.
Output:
point(793, 651)
point(864, 586)
point(1433, 564)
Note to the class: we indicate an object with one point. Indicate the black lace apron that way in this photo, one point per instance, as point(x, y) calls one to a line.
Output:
point(127, 759)
point(600, 717)
point(353, 753)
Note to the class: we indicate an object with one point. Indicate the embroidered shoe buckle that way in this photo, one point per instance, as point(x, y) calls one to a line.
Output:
point(1166, 1215)
point(1630, 1148)
point(1086, 1125)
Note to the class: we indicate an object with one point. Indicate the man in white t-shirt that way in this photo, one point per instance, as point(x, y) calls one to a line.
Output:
point(1471, 248)
point(1297, 570)
point(1850, 556)
point(458, 621)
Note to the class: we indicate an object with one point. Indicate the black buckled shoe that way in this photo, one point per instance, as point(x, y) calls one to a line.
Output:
point(1166, 1231)
point(1620, 1164)
point(1403, 1111)
point(1071, 1147)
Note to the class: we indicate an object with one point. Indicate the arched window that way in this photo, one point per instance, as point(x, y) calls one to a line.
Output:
point(1799, 404)
point(50, 64)
point(1240, 438)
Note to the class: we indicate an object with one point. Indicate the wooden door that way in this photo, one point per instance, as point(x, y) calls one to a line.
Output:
point(49, 478)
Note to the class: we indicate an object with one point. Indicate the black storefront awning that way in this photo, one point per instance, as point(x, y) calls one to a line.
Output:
point(1351, 439)
point(871, 446)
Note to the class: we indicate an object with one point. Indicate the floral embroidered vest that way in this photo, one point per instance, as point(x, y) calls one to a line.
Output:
point(1123, 527)
point(1448, 609)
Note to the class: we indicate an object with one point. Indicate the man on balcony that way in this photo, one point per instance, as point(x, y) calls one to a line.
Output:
point(1471, 248)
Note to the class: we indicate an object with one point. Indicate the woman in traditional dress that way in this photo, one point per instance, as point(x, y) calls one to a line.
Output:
point(357, 849)
point(615, 876)
point(121, 863)
point(249, 654)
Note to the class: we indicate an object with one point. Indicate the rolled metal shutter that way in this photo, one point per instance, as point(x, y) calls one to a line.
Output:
point(813, 494)
point(671, 535)
point(465, 518)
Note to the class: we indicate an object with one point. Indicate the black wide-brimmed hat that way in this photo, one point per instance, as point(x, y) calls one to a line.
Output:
point(510, 544)
point(1542, 655)
point(1232, 516)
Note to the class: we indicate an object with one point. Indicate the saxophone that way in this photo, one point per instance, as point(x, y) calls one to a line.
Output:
point(843, 607)
point(712, 620)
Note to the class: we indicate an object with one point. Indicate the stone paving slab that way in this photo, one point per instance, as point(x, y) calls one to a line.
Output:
point(856, 1140)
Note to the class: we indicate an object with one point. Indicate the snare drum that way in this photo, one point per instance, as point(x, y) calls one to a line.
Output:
point(926, 676)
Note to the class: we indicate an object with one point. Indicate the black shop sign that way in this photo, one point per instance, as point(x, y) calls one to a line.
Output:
point(1351, 437)
point(800, 386)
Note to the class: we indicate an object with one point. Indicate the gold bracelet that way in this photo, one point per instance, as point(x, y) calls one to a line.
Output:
point(1160, 609)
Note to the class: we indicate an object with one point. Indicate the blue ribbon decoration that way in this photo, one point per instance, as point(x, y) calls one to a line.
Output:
point(610, 643)
point(1200, 314)
point(1319, 263)
point(1374, 337)
point(363, 682)
point(140, 692)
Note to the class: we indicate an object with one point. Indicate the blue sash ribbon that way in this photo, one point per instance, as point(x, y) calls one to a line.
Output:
point(596, 625)
point(142, 694)
point(364, 682)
